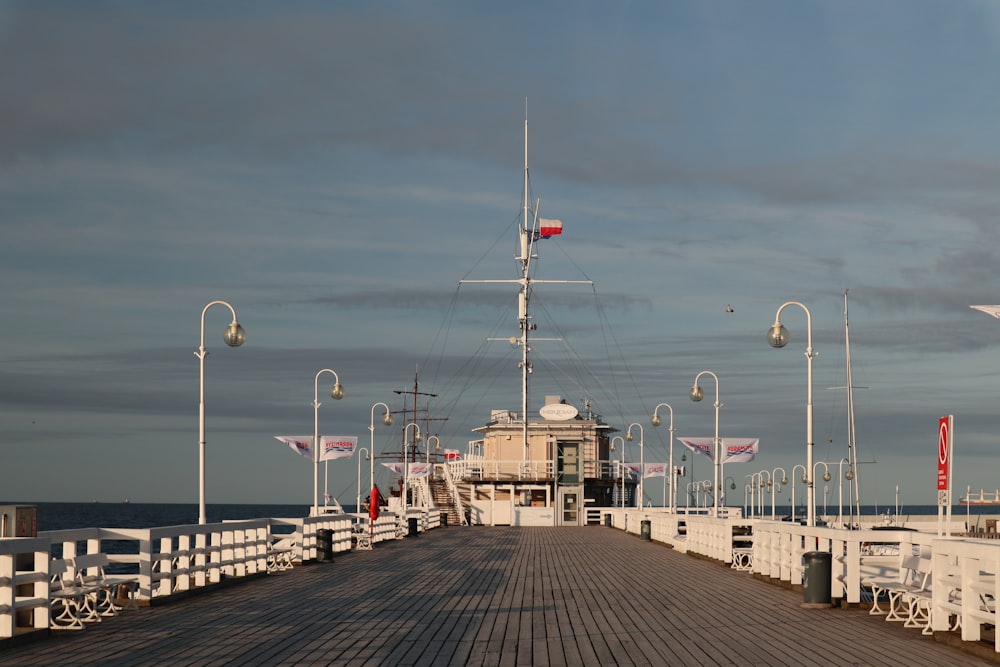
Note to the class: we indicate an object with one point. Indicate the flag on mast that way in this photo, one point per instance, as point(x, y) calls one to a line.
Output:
point(547, 228)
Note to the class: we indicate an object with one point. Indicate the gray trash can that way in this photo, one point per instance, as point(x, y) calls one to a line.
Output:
point(607, 520)
point(324, 544)
point(816, 572)
point(444, 520)
point(412, 523)
point(645, 530)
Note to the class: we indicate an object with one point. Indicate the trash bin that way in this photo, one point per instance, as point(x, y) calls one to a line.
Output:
point(607, 520)
point(412, 523)
point(324, 544)
point(645, 531)
point(816, 571)
point(444, 520)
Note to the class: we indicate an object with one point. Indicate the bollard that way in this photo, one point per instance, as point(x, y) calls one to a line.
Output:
point(324, 544)
point(412, 523)
point(816, 573)
point(645, 532)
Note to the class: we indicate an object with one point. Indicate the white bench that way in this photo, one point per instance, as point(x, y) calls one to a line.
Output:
point(280, 555)
point(913, 577)
point(111, 593)
point(70, 604)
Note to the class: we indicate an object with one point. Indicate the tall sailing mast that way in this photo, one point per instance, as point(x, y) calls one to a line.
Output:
point(529, 233)
point(852, 444)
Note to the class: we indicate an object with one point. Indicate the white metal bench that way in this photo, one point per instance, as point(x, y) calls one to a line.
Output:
point(914, 575)
point(69, 605)
point(280, 555)
point(111, 593)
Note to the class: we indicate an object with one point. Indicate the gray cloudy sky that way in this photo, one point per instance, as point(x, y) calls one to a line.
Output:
point(334, 169)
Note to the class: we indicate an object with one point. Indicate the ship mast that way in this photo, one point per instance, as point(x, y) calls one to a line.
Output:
point(528, 233)
point(852, 445)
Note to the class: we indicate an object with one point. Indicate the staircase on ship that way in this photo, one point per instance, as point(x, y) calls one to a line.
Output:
point(442, 497)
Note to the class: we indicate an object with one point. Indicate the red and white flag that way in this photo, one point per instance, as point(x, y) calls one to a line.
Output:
point(547, 228)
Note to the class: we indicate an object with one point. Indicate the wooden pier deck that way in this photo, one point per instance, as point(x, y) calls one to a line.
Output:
point(498, 596)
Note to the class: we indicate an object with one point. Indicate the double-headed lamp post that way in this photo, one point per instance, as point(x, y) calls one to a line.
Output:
point(642, 459)
point(621, 468)
point(777, 336)
point(234, 336)
point(406, 460)
point(336, 393)
point(656, 421)
point(696, 393)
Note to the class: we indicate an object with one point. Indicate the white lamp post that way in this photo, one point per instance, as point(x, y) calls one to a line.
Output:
point(621, 468)
point(406, 460)
point(387, 420)
point(656, 422)
point(696, 395)
point(337, 393)
point(777, 336)
point(642, 460)
point(234, 336)
point(437, 446)
point(805, 480)
point(368, 457)
point(777, 484)
point(760, 490)
point(826, 478)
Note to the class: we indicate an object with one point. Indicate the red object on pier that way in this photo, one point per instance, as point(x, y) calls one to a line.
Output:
point(373, 503)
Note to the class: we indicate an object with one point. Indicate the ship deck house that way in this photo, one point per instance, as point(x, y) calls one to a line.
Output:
point(555, 472)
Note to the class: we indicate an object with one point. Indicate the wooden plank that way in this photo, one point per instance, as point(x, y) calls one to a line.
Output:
point(497, 596)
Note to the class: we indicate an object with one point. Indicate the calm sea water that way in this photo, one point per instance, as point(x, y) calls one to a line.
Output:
point(59, 516)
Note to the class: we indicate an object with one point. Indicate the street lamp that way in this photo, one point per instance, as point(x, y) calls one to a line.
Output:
point(760, 489)
point(437, 447)
point(778, 336)
point(656, 421)
point(406, 460)
point(234, 335)
point(826, 478)
point(805, 480)
point(368, 457)
point(732, 487)
point(621, 468)
point(776, 484)
point(696, 395)
point(642, 459)
point(751, 488)
point(387, 420)
point(336, 393)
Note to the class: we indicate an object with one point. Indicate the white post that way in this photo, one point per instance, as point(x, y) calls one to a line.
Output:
point(234, 337)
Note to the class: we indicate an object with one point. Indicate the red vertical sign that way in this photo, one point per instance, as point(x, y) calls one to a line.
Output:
point(944, 453)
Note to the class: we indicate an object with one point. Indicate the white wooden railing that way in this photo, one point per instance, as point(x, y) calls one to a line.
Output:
point(170, 560)
point(965, 572)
